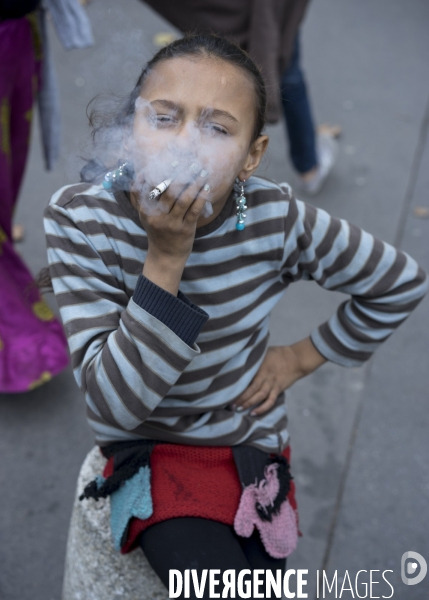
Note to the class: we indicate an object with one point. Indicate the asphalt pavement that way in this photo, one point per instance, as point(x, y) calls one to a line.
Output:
point(360, 442)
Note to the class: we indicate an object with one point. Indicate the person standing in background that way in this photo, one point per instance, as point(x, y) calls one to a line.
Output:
point(33, 347)
point(269, 31)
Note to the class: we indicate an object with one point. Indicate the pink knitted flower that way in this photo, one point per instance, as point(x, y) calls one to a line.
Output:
point(279, 534)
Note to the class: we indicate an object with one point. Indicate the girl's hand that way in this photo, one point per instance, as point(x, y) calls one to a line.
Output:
point(282, 366)
point(171, 226)
point(171, 231)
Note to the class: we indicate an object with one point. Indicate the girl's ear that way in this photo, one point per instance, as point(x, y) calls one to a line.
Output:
point(256, 152)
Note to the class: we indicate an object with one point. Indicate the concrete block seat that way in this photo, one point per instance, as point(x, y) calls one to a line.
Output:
point(94, 569)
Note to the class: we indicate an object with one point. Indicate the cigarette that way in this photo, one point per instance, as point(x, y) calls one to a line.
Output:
point(159, 189)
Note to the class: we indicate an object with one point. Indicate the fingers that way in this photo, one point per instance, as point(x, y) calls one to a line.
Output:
point(192, 198)
point(262, 393)
point(183, 191)
point(267, 405)
point(249, 393)
point(195, 210)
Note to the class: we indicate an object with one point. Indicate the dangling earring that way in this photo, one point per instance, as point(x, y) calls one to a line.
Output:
point(120, 176)
point(241, 207)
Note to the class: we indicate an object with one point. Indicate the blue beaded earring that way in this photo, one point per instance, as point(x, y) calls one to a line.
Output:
point(241, 207)
point(120, 176)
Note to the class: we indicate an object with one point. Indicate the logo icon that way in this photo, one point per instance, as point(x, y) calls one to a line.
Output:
point(410, 561)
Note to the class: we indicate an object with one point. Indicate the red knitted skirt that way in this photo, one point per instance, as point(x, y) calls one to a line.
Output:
point(191, 481)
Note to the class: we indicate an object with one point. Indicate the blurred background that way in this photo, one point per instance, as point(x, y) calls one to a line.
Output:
point(360, 442)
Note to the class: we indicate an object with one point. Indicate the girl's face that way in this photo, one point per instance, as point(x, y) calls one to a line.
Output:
point(196, 115)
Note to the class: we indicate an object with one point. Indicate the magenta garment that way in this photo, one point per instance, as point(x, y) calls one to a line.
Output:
point(33, 347)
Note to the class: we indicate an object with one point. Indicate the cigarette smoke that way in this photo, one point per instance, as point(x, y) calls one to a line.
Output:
point(200, 153)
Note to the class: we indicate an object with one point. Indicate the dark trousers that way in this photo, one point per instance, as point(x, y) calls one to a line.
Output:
point(298, 117)
point(195, 543)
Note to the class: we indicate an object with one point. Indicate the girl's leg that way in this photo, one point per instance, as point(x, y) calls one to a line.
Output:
point(195, 543)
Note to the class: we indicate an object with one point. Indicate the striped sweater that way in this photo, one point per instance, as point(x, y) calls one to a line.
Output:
point(155, 366)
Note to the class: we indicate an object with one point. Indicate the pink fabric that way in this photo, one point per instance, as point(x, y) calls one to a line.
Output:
point(33, 347)
point(280, 535)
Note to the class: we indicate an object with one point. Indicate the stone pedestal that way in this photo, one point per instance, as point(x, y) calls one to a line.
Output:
point(94, 570)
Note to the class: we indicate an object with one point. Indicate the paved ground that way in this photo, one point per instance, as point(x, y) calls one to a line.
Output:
point(359, 436)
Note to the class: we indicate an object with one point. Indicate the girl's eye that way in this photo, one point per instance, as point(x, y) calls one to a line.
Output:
point(161, 120)
point(164, 119)
point(216, 128)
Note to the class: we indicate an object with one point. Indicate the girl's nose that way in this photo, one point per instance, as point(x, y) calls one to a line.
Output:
point(188, 132)
point(186, 141)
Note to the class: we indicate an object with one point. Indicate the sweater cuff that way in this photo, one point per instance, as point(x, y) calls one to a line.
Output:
point(329, 347)
point(178, 313)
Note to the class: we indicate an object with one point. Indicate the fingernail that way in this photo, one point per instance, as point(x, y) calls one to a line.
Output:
point(206, 187)
point(239, 409)
point(175, 164)
point(253, 414)
point(193, 168)
point(204, 173)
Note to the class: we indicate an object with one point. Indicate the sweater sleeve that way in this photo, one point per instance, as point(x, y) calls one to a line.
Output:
point(126, 352)
point(384, 283)
point(177, 312)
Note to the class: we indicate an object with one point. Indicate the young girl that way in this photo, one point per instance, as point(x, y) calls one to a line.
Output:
point(166, 299)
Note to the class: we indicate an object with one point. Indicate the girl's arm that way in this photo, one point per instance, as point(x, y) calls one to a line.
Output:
point(126, 352)
point(384, 285)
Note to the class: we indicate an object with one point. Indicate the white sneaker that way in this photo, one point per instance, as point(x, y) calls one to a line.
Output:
point(327, 152)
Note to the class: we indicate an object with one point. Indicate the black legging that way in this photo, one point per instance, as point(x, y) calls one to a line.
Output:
point(195, 543)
